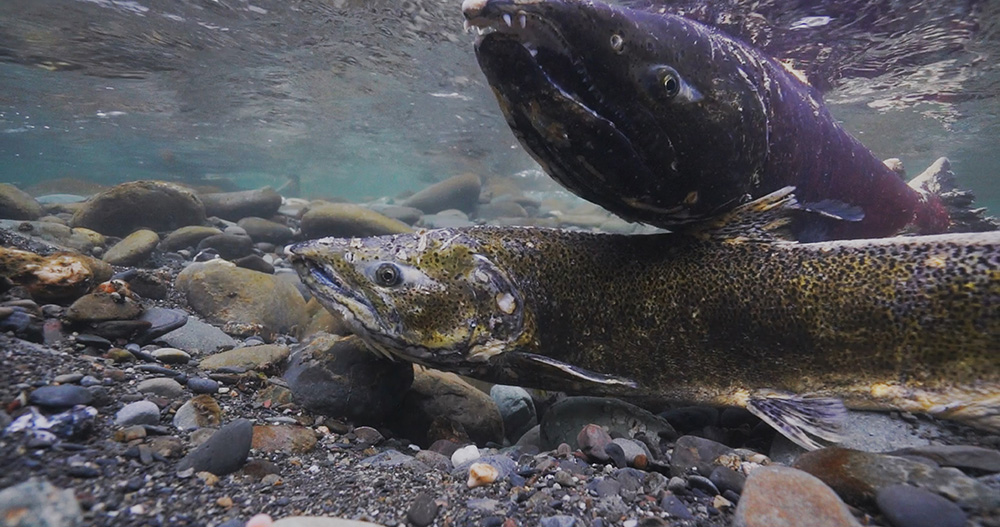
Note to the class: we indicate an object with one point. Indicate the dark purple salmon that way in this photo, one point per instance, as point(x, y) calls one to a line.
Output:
point(666, 121)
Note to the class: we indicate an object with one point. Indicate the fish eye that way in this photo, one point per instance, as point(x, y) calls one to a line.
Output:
point(617, 43)
point(387, 275)
point(671, 84)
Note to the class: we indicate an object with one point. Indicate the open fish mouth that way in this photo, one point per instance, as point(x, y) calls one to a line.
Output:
point(544, 46)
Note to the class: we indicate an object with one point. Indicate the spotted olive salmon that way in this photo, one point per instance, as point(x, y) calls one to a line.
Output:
point(788, 330)
point(663, 120)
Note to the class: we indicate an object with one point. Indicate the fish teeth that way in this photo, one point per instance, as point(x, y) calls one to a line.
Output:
point(507, 19)
point(522, 19)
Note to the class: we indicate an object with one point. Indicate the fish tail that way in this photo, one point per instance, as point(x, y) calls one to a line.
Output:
point(945, 207)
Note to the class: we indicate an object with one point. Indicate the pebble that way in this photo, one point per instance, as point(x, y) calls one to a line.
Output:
point(317, 521)
point(162, 387)
point(197, 337)
point(909, 506)
point(171, 356)
point(423, 510)
point(228, 246)
point(368, 436)
point(288, 439)
point(435, 460)
point(776, 496)
point(338, 376)
point(198, 412)
point(673, 506)
point(696, 455)
point(464, 455)
point(726, 478)
point(592, 441)
point(262, 230)
point(616, 454)
point(632, 450)
point(202, 385)
point(60, 397)
point(38, 503)
point(703, 484)
point(481, 474)
point(564, 420)
point(251, 357)
point(162, 321)
point(185, 237)
point(99, 307)
point(254, 263)
point(138, 413)
point(226, 294)
point(133, 249)
point(68, 378)
point(224, 452)
point(516, 409)
point(557, 521)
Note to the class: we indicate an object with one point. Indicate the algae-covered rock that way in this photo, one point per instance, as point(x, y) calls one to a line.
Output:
point(134, 249)
point(57, 277)
point(16, 204)
point(224, 293)
point(100, 307)
point(345, 220)
point(154, 205)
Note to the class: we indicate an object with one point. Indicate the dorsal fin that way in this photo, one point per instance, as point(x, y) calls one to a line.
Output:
point(764, 219)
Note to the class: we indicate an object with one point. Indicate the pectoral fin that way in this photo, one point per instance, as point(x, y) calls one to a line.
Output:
point(835, 209)
point(764, 219)
point(800, 419)
point(566, 372)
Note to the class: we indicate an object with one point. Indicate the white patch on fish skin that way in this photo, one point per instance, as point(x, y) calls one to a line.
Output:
point(506, 303)
point(356, 243)
point(487, 350)
point(422, 242)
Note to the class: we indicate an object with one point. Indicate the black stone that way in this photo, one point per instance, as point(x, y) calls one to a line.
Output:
point(228, 246)
point(162, 321)
point(733, 417)
point(93, 340)
point(254, 263)
point(726, 478)
point(202, 385)
point(60, 397)
point(617, 455)
point(703, 484)
point(908, 506)
point(423, 511)
point(673, 506)
point(225, 452)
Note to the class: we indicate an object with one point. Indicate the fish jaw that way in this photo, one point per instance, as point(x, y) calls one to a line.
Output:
point(581, 86)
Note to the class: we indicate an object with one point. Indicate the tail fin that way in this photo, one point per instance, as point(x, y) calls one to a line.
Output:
point(938, 182)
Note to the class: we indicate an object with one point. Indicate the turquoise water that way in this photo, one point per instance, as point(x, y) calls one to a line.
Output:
point(361, 99)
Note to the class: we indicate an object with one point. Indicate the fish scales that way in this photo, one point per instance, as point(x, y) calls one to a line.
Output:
point(910, 323)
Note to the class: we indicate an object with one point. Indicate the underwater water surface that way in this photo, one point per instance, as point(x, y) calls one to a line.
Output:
point(367, 98)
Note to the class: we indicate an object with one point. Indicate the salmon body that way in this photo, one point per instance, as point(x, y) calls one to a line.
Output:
point(909, 323)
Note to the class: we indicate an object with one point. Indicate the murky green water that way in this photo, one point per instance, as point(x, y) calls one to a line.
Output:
point(362, 99)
